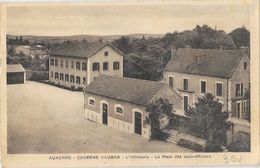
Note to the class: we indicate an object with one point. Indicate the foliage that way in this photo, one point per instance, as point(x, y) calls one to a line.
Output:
point(248, 107)
point(241, 37)
point(208, 119)
point(190, 145)
point(157, 110)
point(17, 41)
point(239, 147)
point(212, 146)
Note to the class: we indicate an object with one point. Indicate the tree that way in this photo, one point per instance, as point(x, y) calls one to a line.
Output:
point(123, 44)
point(248, 108)
point(158, 110)
point(209, 120)
point(241, 37)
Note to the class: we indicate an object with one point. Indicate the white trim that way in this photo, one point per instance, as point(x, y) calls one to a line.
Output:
point(218, 82)
point(120, 106)
point(92, 99)
point(202, 80)
point(142, 120)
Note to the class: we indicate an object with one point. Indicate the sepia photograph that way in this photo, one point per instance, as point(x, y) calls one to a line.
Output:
point(137, 78)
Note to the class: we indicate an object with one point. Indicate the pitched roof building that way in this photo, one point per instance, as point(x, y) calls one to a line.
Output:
point(223, 73)
point(121, 102)
point(74, 65)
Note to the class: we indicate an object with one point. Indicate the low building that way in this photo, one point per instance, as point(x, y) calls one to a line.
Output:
point(121, 102)
point(75, 65)
point(15, 74)
point(223, 73)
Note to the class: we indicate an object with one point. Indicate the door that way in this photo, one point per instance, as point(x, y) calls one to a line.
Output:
point(104, 113)
point(138, 123)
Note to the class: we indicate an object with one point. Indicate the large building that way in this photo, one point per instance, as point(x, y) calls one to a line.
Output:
point(121, 102)
point(75, 65)
point(223, 73)
point(15, 74)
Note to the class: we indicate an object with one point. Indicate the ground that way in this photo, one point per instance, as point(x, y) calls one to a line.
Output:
point(46, 119)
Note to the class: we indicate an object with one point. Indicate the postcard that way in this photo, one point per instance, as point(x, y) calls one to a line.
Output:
point(134, 83)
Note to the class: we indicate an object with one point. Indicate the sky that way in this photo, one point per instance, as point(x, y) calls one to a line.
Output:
point(122, 19)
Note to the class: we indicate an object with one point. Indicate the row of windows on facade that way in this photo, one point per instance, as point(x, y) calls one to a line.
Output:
point(118, 108)
point(83, 65)
point(203, 87)
point(68, 78)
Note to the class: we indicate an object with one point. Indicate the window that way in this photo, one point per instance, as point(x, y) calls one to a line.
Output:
point(77, 65)
point(119, 109)
point(91, 102)
point(61, 77)
point(84, 66)
point(61, 63)
point(52, 62)
point(239, 89)
point(95, 66)
point(105, 66)
point(56, 75)
point(72, 64)
point(51, 74)
point(78, 80)
point(56, 62)
point(203, 87)
point(72, 79)
point(116, 65)
point(171, 82)
point(185, 84)
point(106, 53)
point(185, 103)
point(84, 80)
point(219, 89)
point(245, 65)
point(66, 77)
point(238, 110)
point(67, 64)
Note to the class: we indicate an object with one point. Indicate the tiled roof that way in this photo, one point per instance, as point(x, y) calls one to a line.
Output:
point(210, 62)
point(80, 49)
point(130, 90)
point(15, 68)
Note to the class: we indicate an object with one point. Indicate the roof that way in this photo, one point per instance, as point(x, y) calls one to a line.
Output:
point(80, 49)
point(15, 68)
point(130, 90)
point(209, 62)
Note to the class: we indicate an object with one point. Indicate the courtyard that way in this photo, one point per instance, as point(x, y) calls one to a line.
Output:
point(46, 119)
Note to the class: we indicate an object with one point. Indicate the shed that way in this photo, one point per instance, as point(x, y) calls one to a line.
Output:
point(15, 74)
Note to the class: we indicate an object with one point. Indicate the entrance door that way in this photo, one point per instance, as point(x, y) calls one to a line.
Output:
point(104, 113)
point(138, 123)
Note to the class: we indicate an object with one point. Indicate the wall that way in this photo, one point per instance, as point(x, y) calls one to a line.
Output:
point(100, 57)
point(68, 70)
point(16, 78)
point(194, 86)
point(124, 122)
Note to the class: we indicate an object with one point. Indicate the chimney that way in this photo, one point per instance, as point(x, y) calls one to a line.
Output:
point(173, 51)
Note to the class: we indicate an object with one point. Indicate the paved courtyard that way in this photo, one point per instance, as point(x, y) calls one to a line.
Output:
point(47, 119)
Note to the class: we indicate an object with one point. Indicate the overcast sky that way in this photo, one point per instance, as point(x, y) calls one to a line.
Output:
point(119, 20)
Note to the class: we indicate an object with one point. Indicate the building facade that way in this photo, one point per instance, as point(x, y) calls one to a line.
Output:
point(223, 73)
point(121, 102)
point(76, 66)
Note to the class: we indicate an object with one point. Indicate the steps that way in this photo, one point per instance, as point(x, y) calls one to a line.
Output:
point(172, 139)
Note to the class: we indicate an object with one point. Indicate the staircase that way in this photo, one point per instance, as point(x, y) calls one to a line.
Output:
point(173, 138)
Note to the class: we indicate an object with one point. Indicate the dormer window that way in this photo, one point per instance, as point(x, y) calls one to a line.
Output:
point(106, 53)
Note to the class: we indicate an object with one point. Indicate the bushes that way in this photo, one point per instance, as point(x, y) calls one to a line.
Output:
point(212, 147)
point(239, 147)
point(190, 145)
